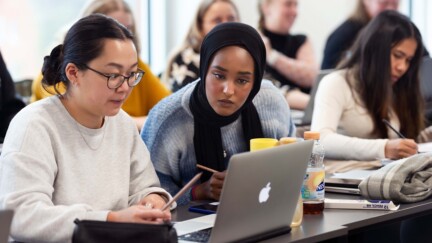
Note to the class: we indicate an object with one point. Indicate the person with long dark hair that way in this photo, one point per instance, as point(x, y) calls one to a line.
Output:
point(378, 82)
point(77, 155)
point(209, 120)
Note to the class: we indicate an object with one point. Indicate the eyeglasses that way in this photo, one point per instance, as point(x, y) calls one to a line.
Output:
point(116, 80)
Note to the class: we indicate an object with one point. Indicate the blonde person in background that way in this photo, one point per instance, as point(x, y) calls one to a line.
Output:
point(291, 62)
point(339, 42)
point(183, 66)
point(146, 94)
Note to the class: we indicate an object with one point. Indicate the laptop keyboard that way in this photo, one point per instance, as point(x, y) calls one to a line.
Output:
point(197, 236)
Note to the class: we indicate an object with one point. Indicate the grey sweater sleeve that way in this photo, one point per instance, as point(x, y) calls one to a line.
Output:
point(50, 177)
point(143, 179)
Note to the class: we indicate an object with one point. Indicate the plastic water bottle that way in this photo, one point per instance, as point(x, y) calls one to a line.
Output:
point(313, 189)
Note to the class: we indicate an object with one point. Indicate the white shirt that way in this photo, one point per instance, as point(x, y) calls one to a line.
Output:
point(345, 125)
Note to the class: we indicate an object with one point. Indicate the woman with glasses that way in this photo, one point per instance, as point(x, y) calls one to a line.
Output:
point(77, 154)
point(147, 93)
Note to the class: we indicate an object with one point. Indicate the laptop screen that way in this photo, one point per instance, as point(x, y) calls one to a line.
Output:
point(260, 191)
point(308, 112)
point(259, 195)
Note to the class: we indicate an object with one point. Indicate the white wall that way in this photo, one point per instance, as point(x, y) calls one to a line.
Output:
point(422, 17)
point(170, 21)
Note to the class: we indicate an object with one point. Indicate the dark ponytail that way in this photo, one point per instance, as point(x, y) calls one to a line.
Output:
point(51, 68)
point(83, 42)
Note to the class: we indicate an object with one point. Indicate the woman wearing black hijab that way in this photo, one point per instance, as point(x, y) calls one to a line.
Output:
point(209, 120)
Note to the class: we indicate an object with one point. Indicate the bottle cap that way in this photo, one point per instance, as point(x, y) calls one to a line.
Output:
point(287, 140)
point(311, 135)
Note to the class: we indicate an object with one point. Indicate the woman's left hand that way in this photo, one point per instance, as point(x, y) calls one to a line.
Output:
point(154, 200)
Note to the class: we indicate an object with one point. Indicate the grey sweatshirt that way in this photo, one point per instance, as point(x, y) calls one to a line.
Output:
point(53, 170)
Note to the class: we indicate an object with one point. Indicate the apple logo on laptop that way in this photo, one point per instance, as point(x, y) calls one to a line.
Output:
point(264, 193)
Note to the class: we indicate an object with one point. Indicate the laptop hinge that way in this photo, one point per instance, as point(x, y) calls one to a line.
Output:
point(266, 235)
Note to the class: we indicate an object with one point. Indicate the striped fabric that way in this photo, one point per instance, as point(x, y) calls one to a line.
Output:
point(405, 181)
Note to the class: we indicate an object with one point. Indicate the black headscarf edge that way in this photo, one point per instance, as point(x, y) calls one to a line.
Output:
point(207, 134)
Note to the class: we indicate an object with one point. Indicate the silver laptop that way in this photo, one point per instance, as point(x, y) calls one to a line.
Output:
point(308, 111)
point(5, 222)
point(346, 182)
point(259, 195)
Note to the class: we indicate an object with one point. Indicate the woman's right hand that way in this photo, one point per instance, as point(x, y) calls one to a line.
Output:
point(400, 148)
point(139, 214)
point(212, 188)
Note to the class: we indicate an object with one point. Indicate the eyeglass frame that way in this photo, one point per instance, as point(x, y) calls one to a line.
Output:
point(125, 78)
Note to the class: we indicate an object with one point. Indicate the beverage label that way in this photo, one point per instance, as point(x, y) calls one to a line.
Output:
point(313, 185)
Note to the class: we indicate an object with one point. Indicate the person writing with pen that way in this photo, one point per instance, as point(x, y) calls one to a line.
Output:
point(378, 83)
point(209, 120)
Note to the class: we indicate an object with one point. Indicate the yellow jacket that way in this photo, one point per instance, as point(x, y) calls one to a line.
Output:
point(142, 98)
